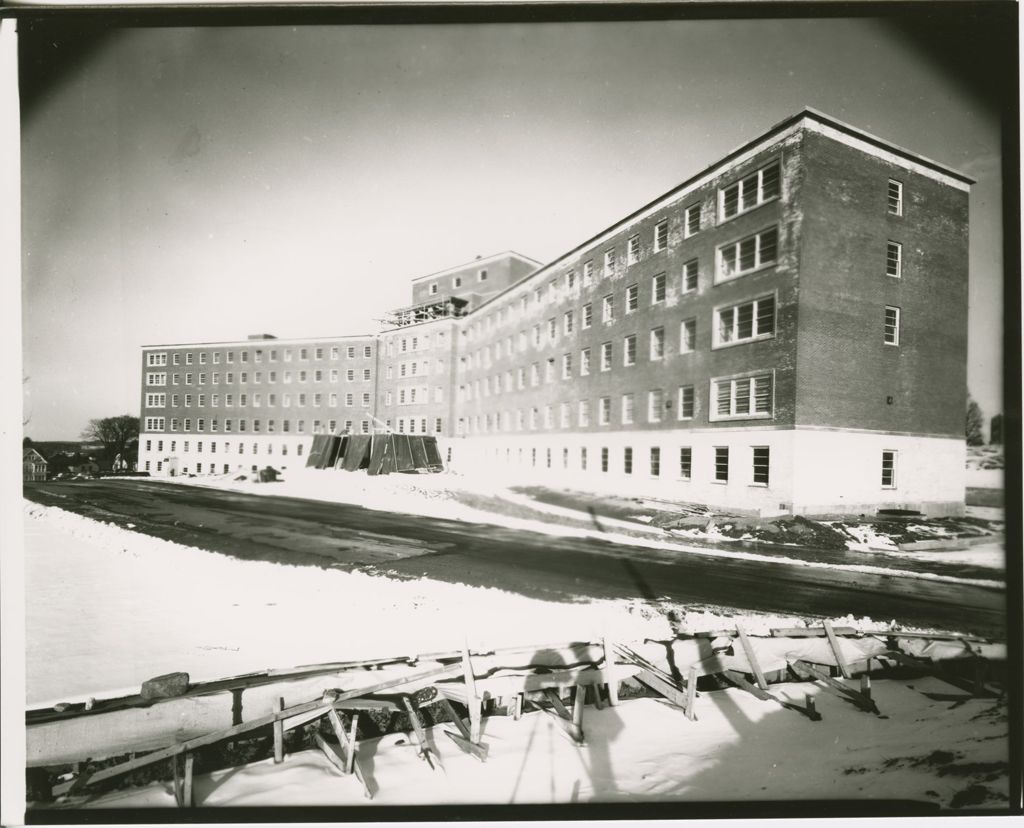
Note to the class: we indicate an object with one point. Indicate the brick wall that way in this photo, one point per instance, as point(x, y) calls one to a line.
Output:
point(845, 372)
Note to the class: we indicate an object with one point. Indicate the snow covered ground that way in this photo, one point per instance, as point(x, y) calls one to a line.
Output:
point(109, 608)
point(739, 748)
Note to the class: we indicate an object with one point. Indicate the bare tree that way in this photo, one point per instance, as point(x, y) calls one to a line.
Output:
point(114, 432)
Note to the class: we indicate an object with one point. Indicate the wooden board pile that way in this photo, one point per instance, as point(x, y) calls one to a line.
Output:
point(557, 680)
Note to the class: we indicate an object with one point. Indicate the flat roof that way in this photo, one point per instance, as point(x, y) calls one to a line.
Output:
point(478, 262)
point(260, 342)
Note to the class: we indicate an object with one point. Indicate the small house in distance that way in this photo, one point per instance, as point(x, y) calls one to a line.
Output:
point(33, 466)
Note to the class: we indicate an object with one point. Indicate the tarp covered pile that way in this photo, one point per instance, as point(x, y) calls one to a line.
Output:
point(377, 453)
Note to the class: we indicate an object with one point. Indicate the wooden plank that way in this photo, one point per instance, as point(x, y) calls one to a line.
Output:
point(217, 736)
point(659, 685)
point(517, 713)
point(278, 733)
point(187, 795)
point(329, 752)
point(810, 632)
point(755, 665)
point(691, 694)
point(836, 651)
point(346, 762)
point(806, 670)
point(556, 703)
point(572, 730)
point(578, 694)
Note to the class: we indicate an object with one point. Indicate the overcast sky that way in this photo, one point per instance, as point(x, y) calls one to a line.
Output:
point(204, 184)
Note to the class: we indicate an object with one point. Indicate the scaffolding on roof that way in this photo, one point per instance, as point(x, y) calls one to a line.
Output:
point(443, 307)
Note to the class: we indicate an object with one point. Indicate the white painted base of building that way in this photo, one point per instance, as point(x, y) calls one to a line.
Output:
point(810, 472)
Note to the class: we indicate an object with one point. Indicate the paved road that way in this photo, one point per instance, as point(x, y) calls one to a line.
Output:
point(315, 533)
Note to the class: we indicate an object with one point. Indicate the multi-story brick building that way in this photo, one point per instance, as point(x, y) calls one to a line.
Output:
point(784, 332)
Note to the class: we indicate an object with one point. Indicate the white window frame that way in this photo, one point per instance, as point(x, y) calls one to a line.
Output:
point(759, 198)
point(721, 312)
point(895, 337)
point(628, 341)
point(764, 484)
point(896, 248)
point(898, 211)
point(680, 398)
point(657, 337)
point(661, 228)
point(685, 348)
point(734, 382)
point(759, 261)
point(893, 457)
point(633, 249)
point(685, 273)
point(688, 214)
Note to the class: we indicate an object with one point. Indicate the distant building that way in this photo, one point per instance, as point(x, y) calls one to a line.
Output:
point(783, 333)
point(33, 466)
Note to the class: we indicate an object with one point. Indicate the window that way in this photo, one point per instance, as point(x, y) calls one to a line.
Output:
point(749, 192)
point(686, 402)
point(749, 396)
point(588, 316)
point(188, 359)
point(549, 370)
point(588, 273)
point(633, 250)
point(627, 460)
point(536, 335)
point(721, 464)
point(535, 375)
point(687, 336)
point(567, 322)
point(604, 416)
point(367, 351)
point(761, 465)
point(335, 353)
point(895, 197)
point(583, 458)
point(655, 461)
point(690, 276)
point(629, 350)
point(176, 359)
point(658, 289)
point(606, 356)
point(457, 281)
point(655, 402)
point(888, 469)
point(627, 409)
point(660, 236)
point(685, 462)
point(155, 360)
point(570, 280)
point(350, 352)
point(482, 276)
point(894, 259)
point(604, 459)
point(892, 326)
point(583, 413)
point(745, 322)
point(350, 375)
point(154, 424)
point(566, 366)
point(437, 425)
point(366, 400)
point(609, 262)
point(691, 221)
point(632, 298)
point(748, 254)
point(657, 346)
point(318, 375)
point(158, 379)
point(608, 308)
point(433, 289)
point(366, 373)
point(332, 400)
point(585, 362)
point(552, 331)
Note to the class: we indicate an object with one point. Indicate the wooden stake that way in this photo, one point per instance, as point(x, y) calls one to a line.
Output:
point(352, 740)
point(421, 734)
point(836, 651)
point(186, 788)
point(609, 666)
point(472, 702)
point(278, 733)
point(748, 650)
point(865, 685)
point(691, 694)
point(577, 706)
point(517, 712)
